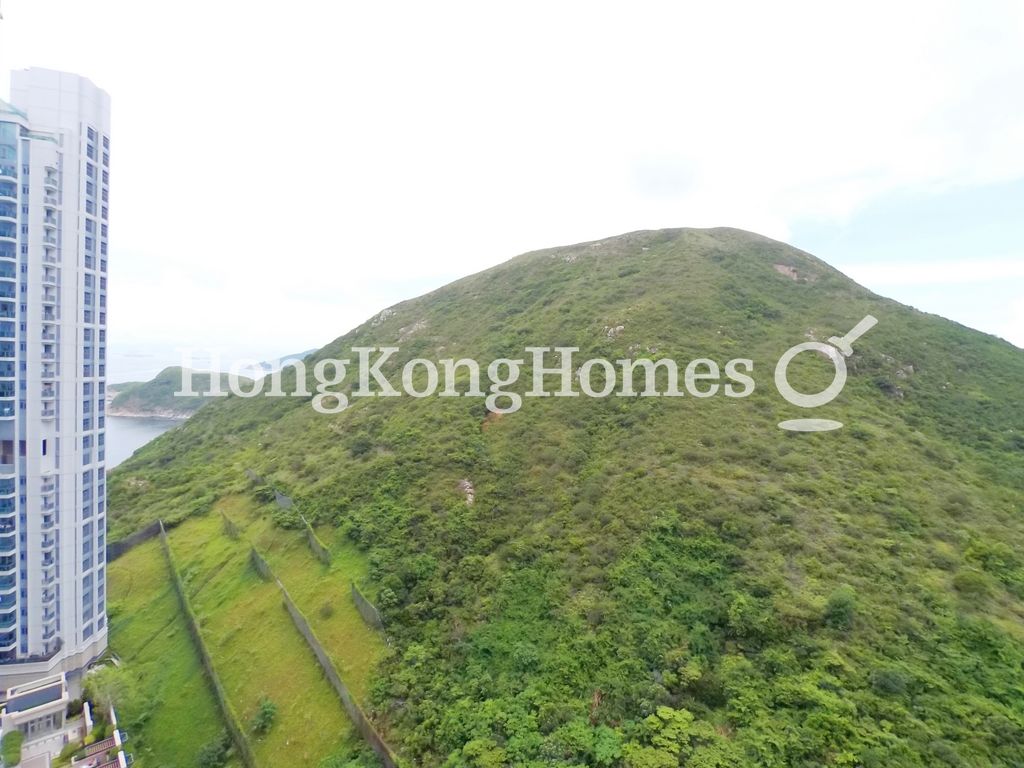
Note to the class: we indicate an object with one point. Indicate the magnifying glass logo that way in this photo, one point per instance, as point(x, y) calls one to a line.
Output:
point(837, 350)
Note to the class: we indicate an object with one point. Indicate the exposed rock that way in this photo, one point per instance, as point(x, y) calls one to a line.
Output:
point(409, 330)
point(788, 271)
point(467, 488)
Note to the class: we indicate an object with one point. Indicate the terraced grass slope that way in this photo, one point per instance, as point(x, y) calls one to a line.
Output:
point(647, 581)
point(175, 715)
point(256, 651)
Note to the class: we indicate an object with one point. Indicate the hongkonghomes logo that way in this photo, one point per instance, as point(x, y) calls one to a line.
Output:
point(595, 377)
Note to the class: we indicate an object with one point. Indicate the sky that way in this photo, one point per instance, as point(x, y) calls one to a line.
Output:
point(283, 171)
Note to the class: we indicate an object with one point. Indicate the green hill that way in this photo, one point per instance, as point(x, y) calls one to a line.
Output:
point(655, 581)
point(156, 396)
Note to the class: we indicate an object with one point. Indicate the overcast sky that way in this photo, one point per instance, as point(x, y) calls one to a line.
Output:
point(281, 171)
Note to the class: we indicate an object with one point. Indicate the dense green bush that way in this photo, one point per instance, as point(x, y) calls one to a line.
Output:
point(10, 747)
point(263, 720)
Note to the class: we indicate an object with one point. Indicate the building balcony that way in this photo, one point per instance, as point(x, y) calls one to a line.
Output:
point(49, 279)
point(51, 183)
point(49, 297)
point(48, 413)
point(50, 222)
point(49, 596)
point(8, 472)
point(48, 543)
point(9, 173)
point(7, 491)
point(6, 622)
point(50, 240)
point(7, 583)
point(51, 201)
point(48, 394)
point(8, 544)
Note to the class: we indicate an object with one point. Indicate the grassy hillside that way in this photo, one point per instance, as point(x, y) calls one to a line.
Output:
point(174, 715)
point(156, 397)
point(664, 581)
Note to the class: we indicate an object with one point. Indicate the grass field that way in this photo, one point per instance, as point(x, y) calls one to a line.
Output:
point(322, 593)
point(147, 631)
point(256, 650)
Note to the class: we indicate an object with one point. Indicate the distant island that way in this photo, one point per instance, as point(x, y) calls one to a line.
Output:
point(156, 399)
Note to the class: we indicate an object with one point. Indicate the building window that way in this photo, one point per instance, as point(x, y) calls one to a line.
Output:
point(91, 133)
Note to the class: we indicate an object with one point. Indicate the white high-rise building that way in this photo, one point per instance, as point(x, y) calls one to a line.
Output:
point(54, 190)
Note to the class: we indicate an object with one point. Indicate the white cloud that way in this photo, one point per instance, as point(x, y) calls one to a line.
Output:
point(962, 272)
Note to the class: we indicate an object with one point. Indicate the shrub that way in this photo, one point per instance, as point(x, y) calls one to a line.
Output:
point(326, 610)
point(215, 753)
point(971, 584)
point(10, 747)
point(841, 608)
point(888, 682)
point(264, 717)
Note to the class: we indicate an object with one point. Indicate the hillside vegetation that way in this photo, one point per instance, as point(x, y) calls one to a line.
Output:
point(653, 581)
